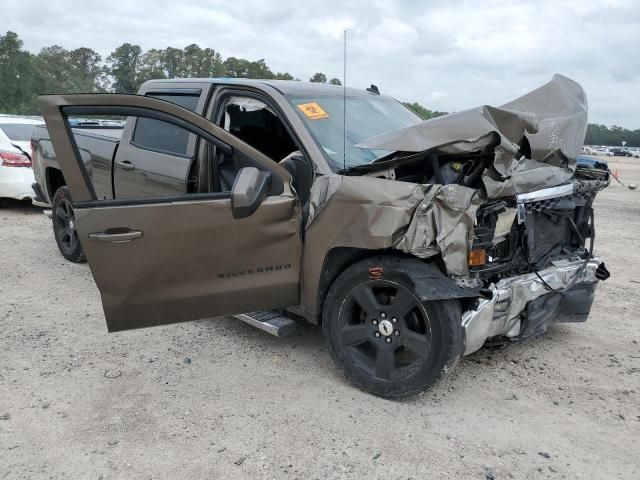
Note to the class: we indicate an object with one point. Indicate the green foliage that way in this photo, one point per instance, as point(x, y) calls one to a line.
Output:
point(18, 76)
point(611, 136)
point(335, 81)
point(124, 65)
point(318, 78)
point(69, 71)
point(201, 62)
point(423, 112)
point(283, 76)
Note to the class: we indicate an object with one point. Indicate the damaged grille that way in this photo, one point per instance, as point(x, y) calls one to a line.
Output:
point(545, 228)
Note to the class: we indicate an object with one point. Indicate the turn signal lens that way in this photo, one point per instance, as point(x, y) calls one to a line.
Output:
point(477, 257)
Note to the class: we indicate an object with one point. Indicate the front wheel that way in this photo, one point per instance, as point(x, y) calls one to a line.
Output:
point(385, 339)
point(64, 227)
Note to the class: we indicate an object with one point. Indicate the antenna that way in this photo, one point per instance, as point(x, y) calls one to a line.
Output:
point(344, 105)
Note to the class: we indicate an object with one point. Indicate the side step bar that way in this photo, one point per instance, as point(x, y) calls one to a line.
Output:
point(271, 322)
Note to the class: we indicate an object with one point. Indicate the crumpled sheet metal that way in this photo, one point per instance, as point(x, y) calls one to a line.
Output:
point(443, 223)
point(466, 125)
point(500, 315)
point(422, 220)
point(552, 118)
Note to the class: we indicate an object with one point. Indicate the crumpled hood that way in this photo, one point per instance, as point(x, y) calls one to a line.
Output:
point(460, 128)
point(552, 119)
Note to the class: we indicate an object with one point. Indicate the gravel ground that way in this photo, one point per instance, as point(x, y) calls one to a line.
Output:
point(218, 399)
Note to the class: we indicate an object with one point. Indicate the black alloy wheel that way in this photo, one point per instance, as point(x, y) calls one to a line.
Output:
point(384, 329)
point(384, 338)
point(64, 227)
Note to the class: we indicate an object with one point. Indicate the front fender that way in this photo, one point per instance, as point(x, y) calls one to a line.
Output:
point(376, 214)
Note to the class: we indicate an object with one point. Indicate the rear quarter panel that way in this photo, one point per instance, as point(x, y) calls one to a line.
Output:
point(97, 152)
point(42, 157)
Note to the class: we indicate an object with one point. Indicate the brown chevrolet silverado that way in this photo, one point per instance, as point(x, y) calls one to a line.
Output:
point(410, 242)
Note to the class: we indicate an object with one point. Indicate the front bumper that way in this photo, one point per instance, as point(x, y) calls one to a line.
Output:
point(521, 305)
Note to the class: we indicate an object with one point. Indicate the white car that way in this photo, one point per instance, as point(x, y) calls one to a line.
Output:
point(16, 175)
point(605, 152)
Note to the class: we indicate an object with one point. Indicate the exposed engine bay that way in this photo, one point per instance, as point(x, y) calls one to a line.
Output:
point(520, 233)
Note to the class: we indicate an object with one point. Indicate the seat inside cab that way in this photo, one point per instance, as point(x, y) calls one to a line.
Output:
point(255, 123)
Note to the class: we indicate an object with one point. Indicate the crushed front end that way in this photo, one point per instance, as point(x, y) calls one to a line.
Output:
point(505, 207)
point(538, 265)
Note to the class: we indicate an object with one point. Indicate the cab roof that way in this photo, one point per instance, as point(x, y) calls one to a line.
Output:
point(285, 87)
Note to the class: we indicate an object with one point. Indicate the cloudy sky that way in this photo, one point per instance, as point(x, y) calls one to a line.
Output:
point(446, 54)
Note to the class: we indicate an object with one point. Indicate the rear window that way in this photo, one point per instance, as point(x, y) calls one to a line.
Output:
point(18, 132)
point(163, 136)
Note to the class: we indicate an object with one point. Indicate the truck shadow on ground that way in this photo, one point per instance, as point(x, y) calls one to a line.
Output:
point(485, 365)
point(306, 337)
point(22, 206)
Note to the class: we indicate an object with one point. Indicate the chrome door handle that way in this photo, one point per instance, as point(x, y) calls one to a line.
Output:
point(116, 236)
point(126, 165)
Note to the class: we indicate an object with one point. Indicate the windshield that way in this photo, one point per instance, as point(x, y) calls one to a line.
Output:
point(18, 132)
point(366, 117)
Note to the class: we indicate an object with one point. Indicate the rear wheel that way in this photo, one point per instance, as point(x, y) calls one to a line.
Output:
point(385, 339)
point(64, 227)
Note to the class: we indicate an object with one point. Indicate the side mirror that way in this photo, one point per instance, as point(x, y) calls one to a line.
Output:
point(249, 190)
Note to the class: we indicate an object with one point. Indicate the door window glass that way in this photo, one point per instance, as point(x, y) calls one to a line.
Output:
point(119, 170)
point(255, 123)
point(162, 136)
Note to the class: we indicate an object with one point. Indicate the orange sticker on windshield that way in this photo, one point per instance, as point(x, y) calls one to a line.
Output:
point(313, 111)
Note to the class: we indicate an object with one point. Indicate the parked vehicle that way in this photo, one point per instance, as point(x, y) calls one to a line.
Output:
point(603, 152)
point(98, 140)
point(621, 152)
point(19, 129)
point(411, 243)
point(592, 168)
point(16, 176)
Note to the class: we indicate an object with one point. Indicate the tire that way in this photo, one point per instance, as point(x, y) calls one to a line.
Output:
point(64, 230)
point(361, 307)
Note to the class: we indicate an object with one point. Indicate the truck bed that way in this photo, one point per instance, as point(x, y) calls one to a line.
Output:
point(97, 146)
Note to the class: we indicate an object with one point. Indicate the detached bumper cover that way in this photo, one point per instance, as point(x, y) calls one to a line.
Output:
point(512, 312)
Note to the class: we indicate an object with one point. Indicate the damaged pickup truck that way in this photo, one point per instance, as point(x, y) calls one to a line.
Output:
point(410, 242)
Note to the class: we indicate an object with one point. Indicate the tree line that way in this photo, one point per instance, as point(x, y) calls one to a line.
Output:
point(611, 136)
point(54, 69)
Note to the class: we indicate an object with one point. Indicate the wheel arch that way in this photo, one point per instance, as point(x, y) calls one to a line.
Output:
point(54, 180)
point(427, 276)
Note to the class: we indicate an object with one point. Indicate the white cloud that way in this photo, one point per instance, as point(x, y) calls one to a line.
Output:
point(447, 55)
